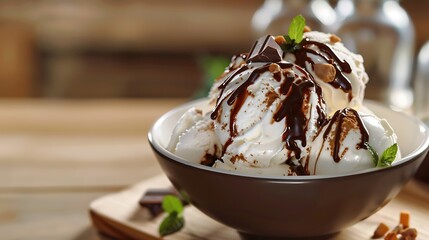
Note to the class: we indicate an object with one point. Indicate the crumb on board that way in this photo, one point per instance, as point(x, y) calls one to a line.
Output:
point(402, 231)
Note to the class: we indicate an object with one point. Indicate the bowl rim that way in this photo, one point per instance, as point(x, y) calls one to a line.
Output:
point(294, 179)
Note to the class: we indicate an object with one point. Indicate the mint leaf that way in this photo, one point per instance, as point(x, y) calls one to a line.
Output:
point(174, 221)
point(171, 224)
point(295, 34)
point(388, 156)
point(374, 155)
point(172, 204)
point(386, 159)
point(296, 29)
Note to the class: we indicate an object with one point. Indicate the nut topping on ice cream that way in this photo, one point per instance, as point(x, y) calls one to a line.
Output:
point(350, 77)
point(291, 106)
point(325, 71)
point(334, 38)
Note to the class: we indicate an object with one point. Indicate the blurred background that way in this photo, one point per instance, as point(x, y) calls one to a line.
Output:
point(132, 49)
point(82, 81)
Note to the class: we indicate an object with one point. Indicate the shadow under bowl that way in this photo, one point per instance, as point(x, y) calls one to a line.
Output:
point(314, 207)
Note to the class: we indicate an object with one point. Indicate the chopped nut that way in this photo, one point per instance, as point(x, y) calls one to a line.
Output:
point(280, 40)
point(398, 229)
point(404, 219)
point(409, 234)
point(391, 236)
point(325, 71)
point(334, 38)
point(307, 29)
point(402, 231)
point(274, 68)
point(380, 231)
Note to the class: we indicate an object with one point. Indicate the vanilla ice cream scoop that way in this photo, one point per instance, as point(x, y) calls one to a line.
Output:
point(267, 114)
point(342, 144)
point(339, 72)
point(194, 138)
point(287, 108)
point(236, 62)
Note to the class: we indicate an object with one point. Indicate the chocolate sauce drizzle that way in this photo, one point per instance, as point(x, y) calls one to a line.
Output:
point(210, 158)
point(295, 89)
point(232, 65)
point(222, 87)
point(298, 169)
point(338, 118)
point(238, 96)
point(325, 52)
point(290, 108)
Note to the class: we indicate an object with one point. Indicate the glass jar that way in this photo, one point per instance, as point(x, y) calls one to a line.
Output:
point(274, 16)
point(382, 32)
point(421, 103)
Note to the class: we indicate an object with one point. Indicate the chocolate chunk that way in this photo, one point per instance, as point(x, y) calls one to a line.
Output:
point(265, 49)
point(152, 199)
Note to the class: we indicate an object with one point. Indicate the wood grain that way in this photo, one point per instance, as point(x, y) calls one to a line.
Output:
point(120, 216)
point(57, 156)
point(49, 216)
point(91, 144)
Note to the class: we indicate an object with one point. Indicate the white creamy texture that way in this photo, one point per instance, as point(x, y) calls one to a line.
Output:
point(257, 145)
point(258, 142)
point(236, 62)
point(335, 98)
point(188, 119)
point(381, 136)
point(194, 137)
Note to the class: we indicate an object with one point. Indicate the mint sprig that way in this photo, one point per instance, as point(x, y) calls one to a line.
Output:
point(174, 221)
point(296, 30)
point(295, 34)
point(386, 159)
point(388, 156)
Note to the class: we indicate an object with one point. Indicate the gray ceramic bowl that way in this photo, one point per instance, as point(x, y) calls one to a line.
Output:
point(291, 207)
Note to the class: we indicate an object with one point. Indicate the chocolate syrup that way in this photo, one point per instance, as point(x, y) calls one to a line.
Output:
point(338, 118)
point(237, 97)
point(222, 87)
point(298, 169)
point(340, 81)
point(291, 109)
point(294, 88)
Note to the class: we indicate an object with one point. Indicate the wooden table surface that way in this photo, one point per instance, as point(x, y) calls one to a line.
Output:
point(56, 156)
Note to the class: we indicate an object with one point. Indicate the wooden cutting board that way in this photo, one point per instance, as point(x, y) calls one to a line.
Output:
point(120, 216)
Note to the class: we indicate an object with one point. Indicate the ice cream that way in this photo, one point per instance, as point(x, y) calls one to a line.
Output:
point(348, 86)
point(194, 138)
point(278, 111)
